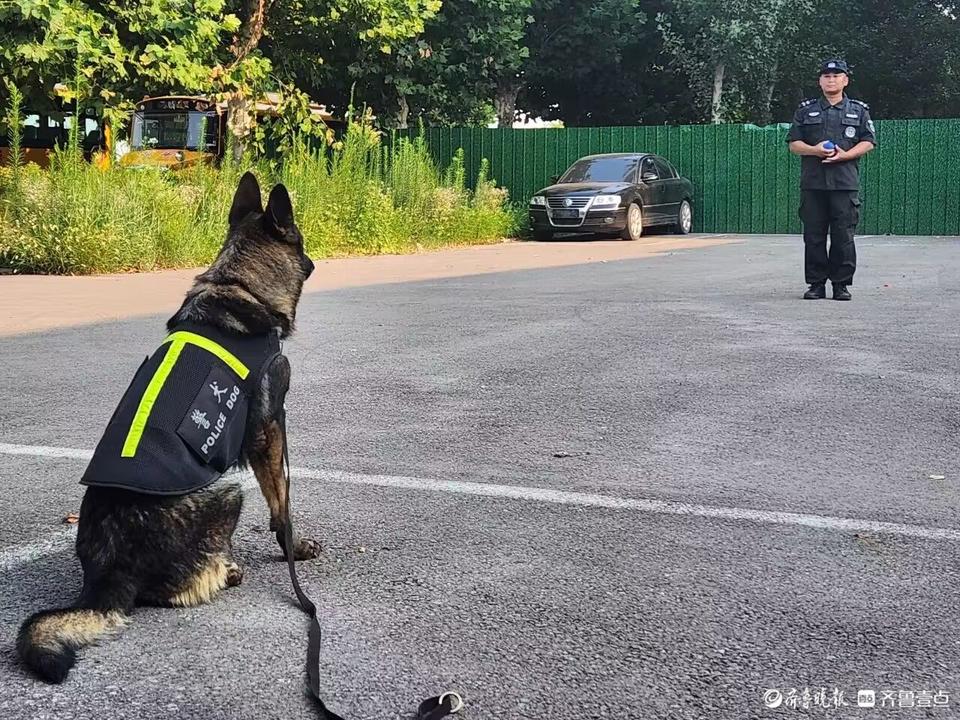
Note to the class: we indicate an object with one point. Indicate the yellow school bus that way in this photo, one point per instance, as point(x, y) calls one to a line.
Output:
point(43, 130)
point(166, 131)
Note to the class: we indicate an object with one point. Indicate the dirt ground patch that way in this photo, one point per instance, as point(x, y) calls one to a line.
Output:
point(30, 303)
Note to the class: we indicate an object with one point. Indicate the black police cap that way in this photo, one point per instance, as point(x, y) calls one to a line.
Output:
point(834, 65)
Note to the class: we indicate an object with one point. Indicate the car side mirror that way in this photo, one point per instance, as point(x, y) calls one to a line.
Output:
point(554, 179)
point(649, 177)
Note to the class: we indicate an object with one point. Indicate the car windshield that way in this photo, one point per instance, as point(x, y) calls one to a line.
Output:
point(604, 169)
point(173, 130)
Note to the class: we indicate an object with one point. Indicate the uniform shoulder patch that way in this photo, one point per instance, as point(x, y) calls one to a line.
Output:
point(861, 103)
point(809, 101)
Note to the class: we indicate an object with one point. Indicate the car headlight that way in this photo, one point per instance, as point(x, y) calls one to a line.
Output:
point(538, 200)
point(606, 201)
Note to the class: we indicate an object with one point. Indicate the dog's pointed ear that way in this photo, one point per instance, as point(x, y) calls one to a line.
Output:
point(279, 212)
point(246, 200)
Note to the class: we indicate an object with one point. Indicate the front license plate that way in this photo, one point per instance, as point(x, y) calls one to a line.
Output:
point(566, 214)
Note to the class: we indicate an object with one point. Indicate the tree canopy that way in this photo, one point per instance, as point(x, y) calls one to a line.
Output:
point(585, 62)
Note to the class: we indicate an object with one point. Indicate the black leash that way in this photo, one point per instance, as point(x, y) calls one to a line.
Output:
point(432, 708)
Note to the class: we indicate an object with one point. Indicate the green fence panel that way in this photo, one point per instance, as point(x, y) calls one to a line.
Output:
point(744, 178)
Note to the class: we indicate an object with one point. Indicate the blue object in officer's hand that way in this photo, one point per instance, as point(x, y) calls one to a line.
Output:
point(831, 146)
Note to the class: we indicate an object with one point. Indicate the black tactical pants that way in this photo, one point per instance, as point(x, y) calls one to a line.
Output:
point(836, 211)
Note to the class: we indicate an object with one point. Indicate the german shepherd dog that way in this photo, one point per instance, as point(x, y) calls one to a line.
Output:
point(167, 550)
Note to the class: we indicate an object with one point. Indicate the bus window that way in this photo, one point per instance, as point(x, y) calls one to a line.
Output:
point(42, 132)
point(173, 130)
point(31, 131)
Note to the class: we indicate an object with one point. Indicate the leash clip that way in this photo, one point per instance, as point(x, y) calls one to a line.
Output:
point(454, 708)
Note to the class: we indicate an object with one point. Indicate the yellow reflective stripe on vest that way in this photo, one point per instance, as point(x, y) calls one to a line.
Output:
point(183, 338)
point(178, 341)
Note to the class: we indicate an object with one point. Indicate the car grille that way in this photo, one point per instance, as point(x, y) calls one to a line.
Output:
point(575, 202)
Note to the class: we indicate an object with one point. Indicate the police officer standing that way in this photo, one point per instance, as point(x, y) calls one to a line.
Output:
point(830, 179)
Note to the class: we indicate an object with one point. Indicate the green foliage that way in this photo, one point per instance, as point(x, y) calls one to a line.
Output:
point(77, 219)
point(730, 49)
point(13, 119)
point(904, 53)
point(316, 44)
point(293, 123)
point(593, 62)
point(464, 62)
point(120, 46)
point(359, 198)
point(370, 198)
point(448, 73)
point(126, 49)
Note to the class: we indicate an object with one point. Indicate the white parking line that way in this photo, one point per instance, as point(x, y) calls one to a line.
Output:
point(45, 451)
point(21, 554)
point(63, 538)
point(659, 507)
point(556, 497)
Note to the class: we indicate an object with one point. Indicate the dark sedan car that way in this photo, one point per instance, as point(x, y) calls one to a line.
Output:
point(615, 193)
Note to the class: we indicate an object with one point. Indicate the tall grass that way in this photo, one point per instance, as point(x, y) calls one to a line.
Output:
point(363, 197)
point(12, 119)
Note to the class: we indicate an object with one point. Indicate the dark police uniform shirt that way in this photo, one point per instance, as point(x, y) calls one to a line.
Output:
point(846, 124)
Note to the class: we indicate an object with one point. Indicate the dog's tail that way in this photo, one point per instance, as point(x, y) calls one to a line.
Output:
point(48, 640)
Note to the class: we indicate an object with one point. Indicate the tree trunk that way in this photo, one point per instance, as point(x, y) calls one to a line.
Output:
point(403, 113)
point(505, 102)
point(765, 111)
point(251, 31)
point(715, 105)
point(240, 121)
point(240, 109)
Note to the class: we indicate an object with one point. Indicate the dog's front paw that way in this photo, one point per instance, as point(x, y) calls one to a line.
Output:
point(306, 549)
point(234, 574)
point(303, 548)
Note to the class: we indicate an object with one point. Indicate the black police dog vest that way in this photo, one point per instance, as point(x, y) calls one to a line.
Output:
point(181, 423)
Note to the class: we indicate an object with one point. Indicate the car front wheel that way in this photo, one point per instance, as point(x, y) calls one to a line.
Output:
point(633, 228)
point(684, 218)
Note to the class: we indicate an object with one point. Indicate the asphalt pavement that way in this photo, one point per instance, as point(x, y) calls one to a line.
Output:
point(662, 487)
